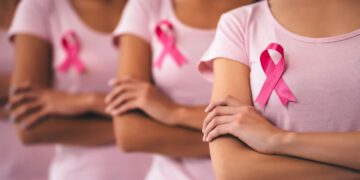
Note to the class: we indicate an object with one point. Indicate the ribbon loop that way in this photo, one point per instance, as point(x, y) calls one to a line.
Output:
point(274, 80)
point(165, 34)
point(71, 45)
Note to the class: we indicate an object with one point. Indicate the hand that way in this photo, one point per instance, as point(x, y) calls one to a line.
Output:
point(131, 94)
point(29, 104)
point(229, 116)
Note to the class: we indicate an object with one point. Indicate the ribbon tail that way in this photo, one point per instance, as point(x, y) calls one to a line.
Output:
point(79, 66)
point(160, 59)
point(65, 65)
point(178, 57)
point(266, 91)
point(284, 93)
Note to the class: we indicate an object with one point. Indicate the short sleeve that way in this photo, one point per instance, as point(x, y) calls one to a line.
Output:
point(31, 18)
point(229, 43)
point(135, 20)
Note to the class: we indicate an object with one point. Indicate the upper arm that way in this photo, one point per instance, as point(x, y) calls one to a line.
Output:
point(32, 61)
point(135, 57)
point(231, 78)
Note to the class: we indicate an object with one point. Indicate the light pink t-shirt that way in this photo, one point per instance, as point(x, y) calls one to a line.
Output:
point(50, 20)
point(322, 73)
point(182, 84)
point(16, 161)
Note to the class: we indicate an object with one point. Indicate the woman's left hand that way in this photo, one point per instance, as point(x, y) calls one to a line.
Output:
point(131, 94)
point(229, 116)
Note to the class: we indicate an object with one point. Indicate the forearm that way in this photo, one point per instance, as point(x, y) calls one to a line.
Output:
point(86, 131)
point(334, 148)
point(190, 116)
point(231, 160)
point(137, 133)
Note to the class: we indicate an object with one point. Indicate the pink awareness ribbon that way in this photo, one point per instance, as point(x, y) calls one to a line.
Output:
point(165, 33)
point(274, 79)
point(71, 45)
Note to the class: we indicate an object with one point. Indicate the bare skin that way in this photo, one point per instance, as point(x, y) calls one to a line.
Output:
point(169, 126)
point(7, 9)
point(44, 115)
point(331, 156)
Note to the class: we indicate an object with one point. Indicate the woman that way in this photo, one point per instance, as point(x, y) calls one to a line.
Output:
point(158, 98)
point(64, 57)
point(16, 161)
point(286, 85)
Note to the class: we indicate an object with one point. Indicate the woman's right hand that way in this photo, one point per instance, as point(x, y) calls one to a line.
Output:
point(29, 104)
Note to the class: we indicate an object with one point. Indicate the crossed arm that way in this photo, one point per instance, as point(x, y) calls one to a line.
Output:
point(136, 131)
point(33, 67)
point(232, 160)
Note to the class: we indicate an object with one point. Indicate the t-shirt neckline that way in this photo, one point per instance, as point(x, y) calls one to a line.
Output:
point(82, 23)
point(185, 26)
point(307, 39)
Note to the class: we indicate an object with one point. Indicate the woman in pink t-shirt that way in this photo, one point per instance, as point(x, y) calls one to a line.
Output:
point(287, 84)
point(16, 161)
point(158, 99)
point(64, 58)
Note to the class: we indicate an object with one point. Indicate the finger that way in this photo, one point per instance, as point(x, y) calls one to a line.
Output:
point(216, 121)
point(127, 106)
point(121, 99)
point(117, 91)
point(25, 110)
point(220, 111)
point(23, 87)
point(33, 119)
point(218, 131)
point(19, 99)
point(227, 101)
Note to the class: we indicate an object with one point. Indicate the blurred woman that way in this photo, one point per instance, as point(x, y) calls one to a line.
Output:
point(158, 99)
point(16, 161)
point(64, 58)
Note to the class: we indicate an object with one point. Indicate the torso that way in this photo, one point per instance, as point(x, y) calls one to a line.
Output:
point(100, 58)
point(321, 71)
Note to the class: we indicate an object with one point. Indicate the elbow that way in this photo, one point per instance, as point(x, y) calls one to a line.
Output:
point(27, 137)
point(125, 136)
point(123, 142)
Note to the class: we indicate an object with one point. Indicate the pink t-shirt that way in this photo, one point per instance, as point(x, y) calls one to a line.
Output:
point(181, 83)
point(322, 73)
point(16, 161)
point(50, 20)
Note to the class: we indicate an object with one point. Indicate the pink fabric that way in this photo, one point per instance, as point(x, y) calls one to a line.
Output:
point(322, 73)
point(50, 20)
point(18, 162)
point(140, 19)
point(274, 79)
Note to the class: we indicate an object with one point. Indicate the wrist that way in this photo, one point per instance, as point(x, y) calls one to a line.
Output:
point(94, 102)
point(282, 142)
point(176, 114)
